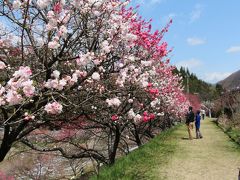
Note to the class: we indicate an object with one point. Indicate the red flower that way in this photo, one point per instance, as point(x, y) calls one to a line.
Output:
point(57, 8)
point(114, 117)
point(152, 116)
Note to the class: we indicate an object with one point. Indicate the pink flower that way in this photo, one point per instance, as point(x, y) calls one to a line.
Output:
point(24, 72)
point(28, 88)
point(66, 18)
point(53, 108)
point(53, 44)
point(13, 97)
point(2, 101)
point(145, 113)
point(28, 117)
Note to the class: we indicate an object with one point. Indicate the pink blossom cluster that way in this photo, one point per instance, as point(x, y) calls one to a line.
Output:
point(19, 87)
point(59, 84)
point(53, 108)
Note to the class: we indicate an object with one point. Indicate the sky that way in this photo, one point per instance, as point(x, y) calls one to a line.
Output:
point(205, 34)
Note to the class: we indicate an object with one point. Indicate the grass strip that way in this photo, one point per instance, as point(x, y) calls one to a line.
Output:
point(140, 163)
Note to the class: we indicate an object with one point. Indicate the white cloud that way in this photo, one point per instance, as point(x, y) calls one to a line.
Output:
point(214, 77)
point(156, 1)
point(233, 49)
point(195, 41)
point(141, 2)
point(196, 13)
point(151, 2)
point(190, 64)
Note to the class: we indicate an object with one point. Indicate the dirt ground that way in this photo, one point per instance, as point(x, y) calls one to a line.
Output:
point(215, 157)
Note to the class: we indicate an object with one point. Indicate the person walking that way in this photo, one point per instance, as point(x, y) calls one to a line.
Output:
point(197, 125)
point(203, 112)
point(189, 122)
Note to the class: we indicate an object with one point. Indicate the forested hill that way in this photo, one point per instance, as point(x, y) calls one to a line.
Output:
point(205, 90)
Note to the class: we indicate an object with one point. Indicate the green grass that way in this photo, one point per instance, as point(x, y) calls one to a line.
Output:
point(233, 133)
point(141, 163)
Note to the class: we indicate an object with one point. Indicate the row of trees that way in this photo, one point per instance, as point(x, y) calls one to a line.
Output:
point(92, 71)
point(227, 108)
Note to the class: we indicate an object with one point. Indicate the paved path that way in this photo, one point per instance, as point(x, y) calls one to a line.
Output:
point(215, 157)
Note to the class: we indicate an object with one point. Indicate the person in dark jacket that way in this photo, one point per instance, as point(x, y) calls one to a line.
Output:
point(197, 125)
point(189, 121)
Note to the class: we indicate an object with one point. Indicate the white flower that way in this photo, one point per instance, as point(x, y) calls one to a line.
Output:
point(105, 47)
point(137, 118)
point(43, 3)
point(56, 74)
point(50, 15)
point(2, 65)
point(154, 103)
point(96, 76)
point(130, 101)
point(39, 42)
point(146, 63)
point(63, 2)
point(144, 84)
point(161, 114)
point(113, 102)
point(131, 114)
point(16, 4)
point(131, 58)
point(62, 31)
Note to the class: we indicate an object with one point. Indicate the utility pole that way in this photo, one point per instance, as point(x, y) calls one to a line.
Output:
point(187, 84)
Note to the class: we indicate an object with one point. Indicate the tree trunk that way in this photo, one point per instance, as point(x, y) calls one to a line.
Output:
point(9, 138)
point(113, 152)
point(5, 147)
point(136, 135)
point(6, 143)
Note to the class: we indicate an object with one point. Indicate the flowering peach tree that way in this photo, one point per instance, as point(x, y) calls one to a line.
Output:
point(93, 66)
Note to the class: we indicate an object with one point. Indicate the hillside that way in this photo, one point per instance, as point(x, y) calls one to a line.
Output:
point(194, 85)
point(232, 81)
